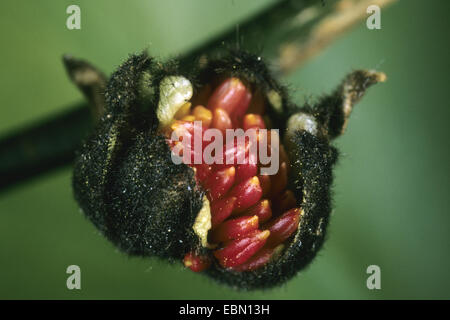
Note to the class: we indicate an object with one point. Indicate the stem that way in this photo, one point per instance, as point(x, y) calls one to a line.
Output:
point(286, 34)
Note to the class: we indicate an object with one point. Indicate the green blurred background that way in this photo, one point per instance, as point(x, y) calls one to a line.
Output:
point(391, 190)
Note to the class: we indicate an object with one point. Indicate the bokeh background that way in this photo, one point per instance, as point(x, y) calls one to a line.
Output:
point(391, 204)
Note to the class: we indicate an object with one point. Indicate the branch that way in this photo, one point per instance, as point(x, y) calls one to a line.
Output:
point(44, 146)
point(326, 28)
point(286, 34)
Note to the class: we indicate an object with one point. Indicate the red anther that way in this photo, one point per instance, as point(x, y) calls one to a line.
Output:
point(258, 260)
point(221, 120)
point(283, 227)
point(248, 169)
point(219, 182)
point(234, 229)
point(221, 209)
point(183, 130)
point(241, 108)
point(202, 172)
point(262, 210)
point(228, 96)
point(194, 134)
point(247, 193)
point(238, 251)
point(204, 115)
point(265, 183)
point(253, 121)
point(233, 154)
point(279, 181)
point(195, 262)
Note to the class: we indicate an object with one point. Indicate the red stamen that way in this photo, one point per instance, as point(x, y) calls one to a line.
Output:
point(221, 120)
point(247, 193)
point(258, 260)
point(220, 182)
point(241, 108)
point(234, 229)
point(238, 251)
point(221, 209)
point(203, 171)
point(262, 210)
point(283, 227)
point(228, 95)
point(253, 121)
point(195, 262)
point(204, 115)
point(248, 169)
